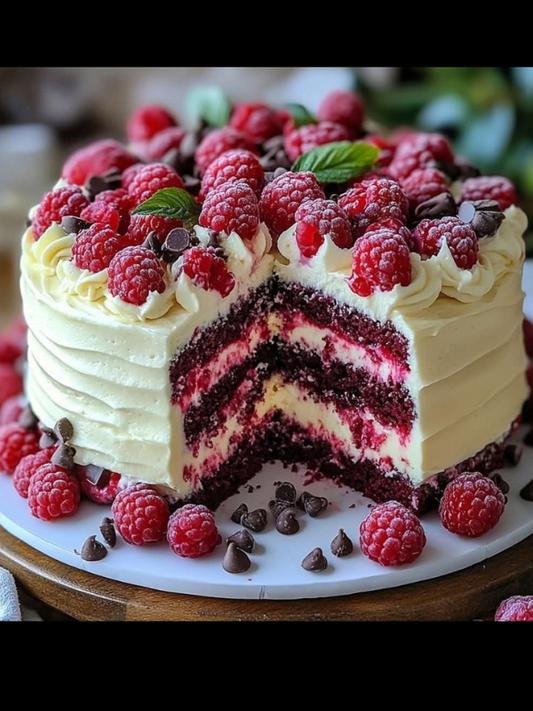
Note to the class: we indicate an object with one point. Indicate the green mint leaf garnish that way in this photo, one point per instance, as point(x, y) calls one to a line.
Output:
point(175, 203)
point(338, 162)
point(300, 115)
point(211, 104)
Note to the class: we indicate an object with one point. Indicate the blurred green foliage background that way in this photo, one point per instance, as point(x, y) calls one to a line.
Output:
point(487, 112)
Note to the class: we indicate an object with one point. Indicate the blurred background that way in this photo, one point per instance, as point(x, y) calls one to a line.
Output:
point(45, 113)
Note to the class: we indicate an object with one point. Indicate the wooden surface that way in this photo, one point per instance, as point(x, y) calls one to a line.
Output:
point(468, 595)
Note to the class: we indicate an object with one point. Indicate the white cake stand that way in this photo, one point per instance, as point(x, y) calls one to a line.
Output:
point(276, 571)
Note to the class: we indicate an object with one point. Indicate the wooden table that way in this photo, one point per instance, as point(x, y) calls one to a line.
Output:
point(471, 594)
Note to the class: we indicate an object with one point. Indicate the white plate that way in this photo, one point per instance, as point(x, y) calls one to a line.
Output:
point(276, 571)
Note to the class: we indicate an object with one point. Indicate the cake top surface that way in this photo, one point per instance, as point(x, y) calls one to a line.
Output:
point(182, 222)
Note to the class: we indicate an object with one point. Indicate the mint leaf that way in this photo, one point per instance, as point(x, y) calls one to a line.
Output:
point(300, 115)
point(211, 104)
point(171, 202)
point(338, 162)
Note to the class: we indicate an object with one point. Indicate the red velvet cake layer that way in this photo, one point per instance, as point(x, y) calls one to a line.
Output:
point(287, 441)
point(333, 381)
point(325, 311)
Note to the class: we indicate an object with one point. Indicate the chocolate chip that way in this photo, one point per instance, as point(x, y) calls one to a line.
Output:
point(315, 505)
point(244, 540)
point(93, 550)
point(256, 520)
point(273, 144)
point(528, 439)
point(64, 430)
point(442, 205)
point(172, 158)
point(287, 523)
point(237, 515)
point(484, 216)
point(27, 419)
point(527, 492)
point(48, 438)
point(153, 244)
point(107, 529)
point(466, 169)
point(97, 476)
point(341, 545)
point(64, 457)
point(235, 561)
point(286, 492)
point(178, 241)
point(214, 239)
point(527, 411)
point(302, 499)
point(512, 454)
point(315, 561)
point(73, 225)
point(97, 184)
point(500, 482)
point(183, 161)
point(277, 507)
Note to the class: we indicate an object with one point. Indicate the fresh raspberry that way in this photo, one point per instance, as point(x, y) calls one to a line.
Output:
point(97, 158)
point(392, 535)
point(10, 350)
point(95, 247)
point(424, 184)
point(146, 121)
point(345, 108)
point(258, 121)
point(10, 382)
point(150, 179)
point(17, 334)
point(472, 505)
point(27, 467)
point(386, 149)
point(374, 201)
point(134, 273)
point(283, 196)
point(192, 532)
point(104, 495)
point(129, 174)
point(56, 205)
point(460, 237)
point(100, 212)
point(317, 218)
point(141, 515)
point(208, 271)
point(381, 259)
point(165, 141)
point(234, 165)
point(218, 142)
point(232, 207)
point(142, 225)
point(120, 201)
point(515, 609)
point(304, 139)
point(489, 188)
point(11, 410)
point(53, 493)
point(15, 444)
point(397, 227)
point(422, 150)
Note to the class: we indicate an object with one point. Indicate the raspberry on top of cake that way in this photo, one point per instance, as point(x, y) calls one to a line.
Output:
point(283, 286)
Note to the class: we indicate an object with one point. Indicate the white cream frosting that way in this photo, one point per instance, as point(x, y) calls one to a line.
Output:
point(104, 363)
